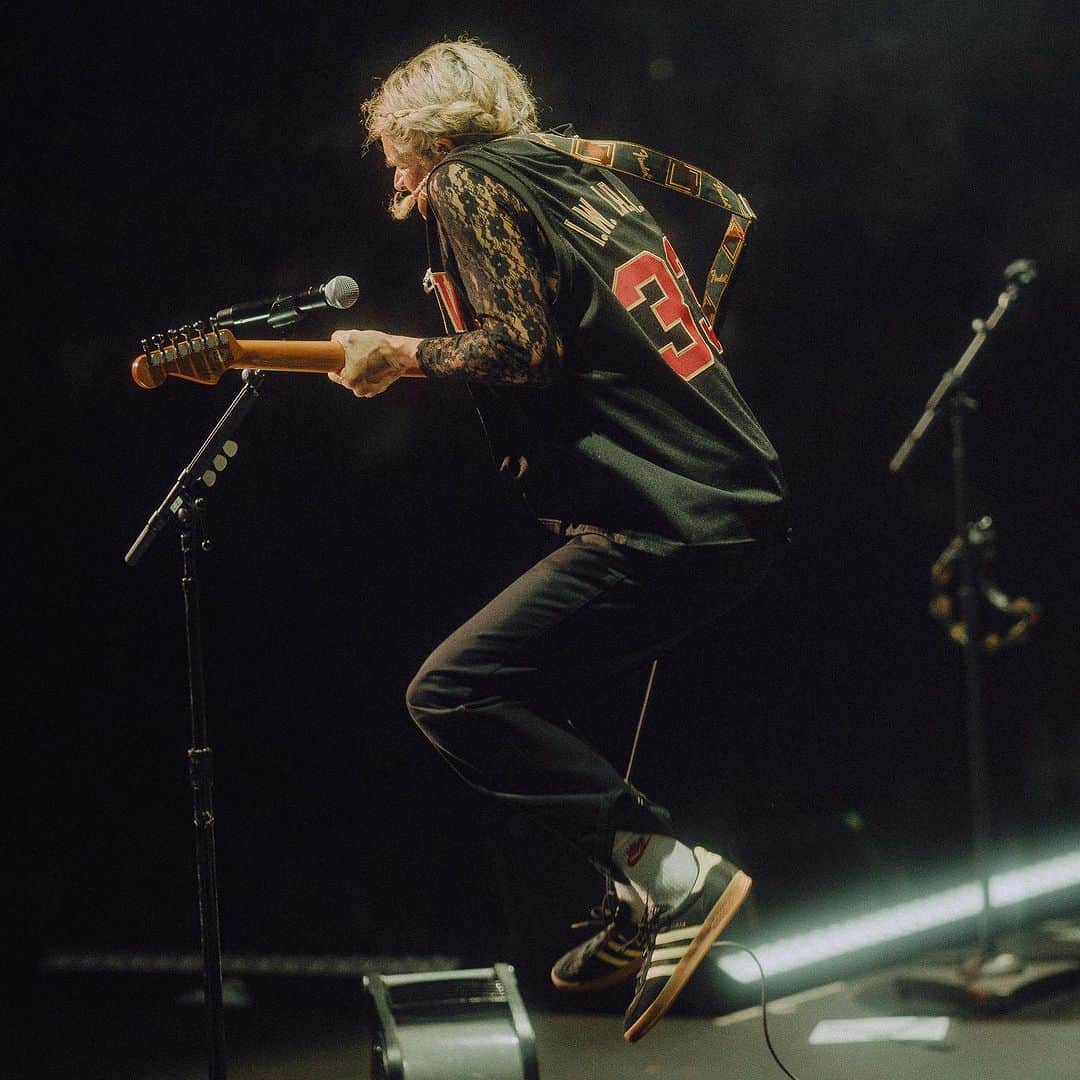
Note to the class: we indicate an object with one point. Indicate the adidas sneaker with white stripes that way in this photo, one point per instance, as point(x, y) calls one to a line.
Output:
point(610, 956)
point(677, 941)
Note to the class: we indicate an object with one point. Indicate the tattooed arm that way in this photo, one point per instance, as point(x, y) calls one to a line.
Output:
point(499, 253)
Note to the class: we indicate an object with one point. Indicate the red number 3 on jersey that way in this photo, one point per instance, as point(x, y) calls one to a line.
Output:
point(692, 355)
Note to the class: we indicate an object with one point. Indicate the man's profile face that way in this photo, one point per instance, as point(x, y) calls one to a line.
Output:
point(410, 171)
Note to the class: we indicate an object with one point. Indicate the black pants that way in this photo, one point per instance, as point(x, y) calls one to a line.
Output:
point(494, 696)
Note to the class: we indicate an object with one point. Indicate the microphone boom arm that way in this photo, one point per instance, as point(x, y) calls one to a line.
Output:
point(1017, 273)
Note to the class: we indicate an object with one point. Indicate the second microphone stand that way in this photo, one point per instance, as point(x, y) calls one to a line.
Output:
point(990, 978)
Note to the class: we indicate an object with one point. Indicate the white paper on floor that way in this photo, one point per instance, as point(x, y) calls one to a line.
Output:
point(877, 1028)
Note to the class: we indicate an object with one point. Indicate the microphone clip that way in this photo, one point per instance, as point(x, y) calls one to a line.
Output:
point(284, 311)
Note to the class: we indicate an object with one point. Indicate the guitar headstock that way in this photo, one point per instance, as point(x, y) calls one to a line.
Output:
point(192, 352)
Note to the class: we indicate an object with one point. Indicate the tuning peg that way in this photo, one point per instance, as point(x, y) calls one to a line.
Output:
point(172, 336)
point(159, 341)
point(145, 346)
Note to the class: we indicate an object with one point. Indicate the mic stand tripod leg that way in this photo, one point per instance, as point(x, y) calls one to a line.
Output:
point(201, 775)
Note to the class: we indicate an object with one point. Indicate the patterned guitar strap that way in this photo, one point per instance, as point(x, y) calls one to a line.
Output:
point(641, 162)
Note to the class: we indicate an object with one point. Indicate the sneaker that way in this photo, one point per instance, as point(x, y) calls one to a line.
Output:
point(677, 941)
point(607, 958)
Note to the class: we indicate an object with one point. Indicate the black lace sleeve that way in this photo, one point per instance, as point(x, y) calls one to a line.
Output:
point(499, 252)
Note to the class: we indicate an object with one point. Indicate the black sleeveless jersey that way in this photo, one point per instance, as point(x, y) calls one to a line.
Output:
point(642, 433)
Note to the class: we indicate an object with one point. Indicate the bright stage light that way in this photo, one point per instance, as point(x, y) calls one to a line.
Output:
point(1037, 880)
point(904, 920)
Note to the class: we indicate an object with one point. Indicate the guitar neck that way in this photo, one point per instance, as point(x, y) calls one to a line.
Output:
point(205, 357)
point(311, 356)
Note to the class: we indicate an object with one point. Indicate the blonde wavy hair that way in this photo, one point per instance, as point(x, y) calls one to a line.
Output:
point(458, 90)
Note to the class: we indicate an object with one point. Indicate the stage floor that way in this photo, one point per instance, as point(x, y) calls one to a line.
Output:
point(141, 1028)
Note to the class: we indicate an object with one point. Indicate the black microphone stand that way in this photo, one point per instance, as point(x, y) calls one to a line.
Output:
point(990, 977)
point(187, 508)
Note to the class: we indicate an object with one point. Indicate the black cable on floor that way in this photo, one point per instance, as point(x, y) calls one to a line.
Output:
point(764, 1018)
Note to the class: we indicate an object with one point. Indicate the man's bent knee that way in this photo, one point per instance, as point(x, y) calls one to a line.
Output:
point(434, 691)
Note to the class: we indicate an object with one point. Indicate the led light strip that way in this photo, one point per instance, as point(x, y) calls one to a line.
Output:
point(904, 920)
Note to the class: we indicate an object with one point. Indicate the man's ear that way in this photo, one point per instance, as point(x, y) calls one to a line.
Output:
point(443, 145)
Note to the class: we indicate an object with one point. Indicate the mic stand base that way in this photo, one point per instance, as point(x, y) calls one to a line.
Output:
point(989, 985)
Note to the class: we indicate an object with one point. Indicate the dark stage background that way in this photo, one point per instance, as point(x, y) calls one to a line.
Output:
point(174, 161)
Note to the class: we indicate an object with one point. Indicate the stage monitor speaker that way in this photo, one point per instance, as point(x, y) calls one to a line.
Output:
point(448, 1025)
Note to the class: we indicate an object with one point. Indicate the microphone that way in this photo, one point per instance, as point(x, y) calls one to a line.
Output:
point(281, 311)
